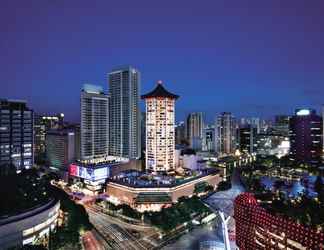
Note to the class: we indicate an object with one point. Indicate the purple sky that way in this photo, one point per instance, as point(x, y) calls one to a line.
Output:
point(253, 58)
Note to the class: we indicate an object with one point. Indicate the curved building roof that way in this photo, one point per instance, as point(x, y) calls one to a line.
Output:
point(160, 91)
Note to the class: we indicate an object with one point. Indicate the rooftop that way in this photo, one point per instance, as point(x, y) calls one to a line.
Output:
point(137, 179)
point(160, 91)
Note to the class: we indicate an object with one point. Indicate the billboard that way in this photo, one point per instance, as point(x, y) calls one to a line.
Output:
point(90, 172)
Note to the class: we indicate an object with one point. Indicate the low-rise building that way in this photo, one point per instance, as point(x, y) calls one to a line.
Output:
point(28, 227)
point(151, 193)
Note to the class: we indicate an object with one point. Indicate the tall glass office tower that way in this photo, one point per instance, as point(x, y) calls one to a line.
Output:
point(124, 113)
point(94, 123)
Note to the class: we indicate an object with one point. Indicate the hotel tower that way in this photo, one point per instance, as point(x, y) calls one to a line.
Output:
point(160, 135)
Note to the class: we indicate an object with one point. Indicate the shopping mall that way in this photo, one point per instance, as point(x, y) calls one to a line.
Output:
point(29, 227)
point(145, 192)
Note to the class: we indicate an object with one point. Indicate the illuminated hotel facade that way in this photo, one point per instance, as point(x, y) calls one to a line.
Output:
point(160, 134)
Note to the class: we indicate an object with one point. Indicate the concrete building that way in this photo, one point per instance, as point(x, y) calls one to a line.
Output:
point(195, 127)
point(160, 137)
point(225, 127)
point(29, 226)
point(42, 124)
point(94, 123)
point(143, 131)
point(159, 192)
point(60, 149)
point(306, 137)
point(124, 110)
point(180, 133)
point(16, 135)
point(281, 125)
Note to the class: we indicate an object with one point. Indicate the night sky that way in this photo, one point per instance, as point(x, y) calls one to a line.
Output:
point(253, 58)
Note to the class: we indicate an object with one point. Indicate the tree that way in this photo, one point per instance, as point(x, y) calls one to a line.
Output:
point(318, 185)
point(319, 189)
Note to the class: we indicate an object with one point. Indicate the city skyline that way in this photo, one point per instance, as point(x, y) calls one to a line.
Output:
point(219, 48)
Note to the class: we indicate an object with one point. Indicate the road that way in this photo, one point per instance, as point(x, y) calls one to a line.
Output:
point(117, 236)
point(90, 242)
point(224, 201)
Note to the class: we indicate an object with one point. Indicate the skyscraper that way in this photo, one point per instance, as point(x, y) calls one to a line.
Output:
point(247, 139)
point(225, 127)
point(209, 137)
point(16, 135)
point(124, 136)
point(42, 124)
point(160, 135)
point(180, 133)
point(195, 126)
point(60, 148)
point(281, 125)
point(94, 123)
point(306, 136)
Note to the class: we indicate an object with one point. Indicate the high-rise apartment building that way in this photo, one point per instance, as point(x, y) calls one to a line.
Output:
point(160, 135)
point(16, 135)
point(60, 148)
point(124, 136)
point(94, 123)
point(225, 127)
point(306, 136)
point(195, 126)
point(209, 139)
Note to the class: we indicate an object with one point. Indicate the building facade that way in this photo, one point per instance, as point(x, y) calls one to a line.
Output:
point(195, 127)
point(42, 124)
point(125, 127)
point(306, 137)
point(225, 127)
point(60, 148)
point(209, 139)
point(160, 135)
point(16, 135)
point(281, 125)
point(29, 227)
point(247, 139)
point(94, 123)
point(258, 229)
point(180, 133)
point(272, 144)
point(153, 197)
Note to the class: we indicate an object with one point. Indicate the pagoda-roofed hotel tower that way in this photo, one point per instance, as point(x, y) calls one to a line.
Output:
point(160, 136)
